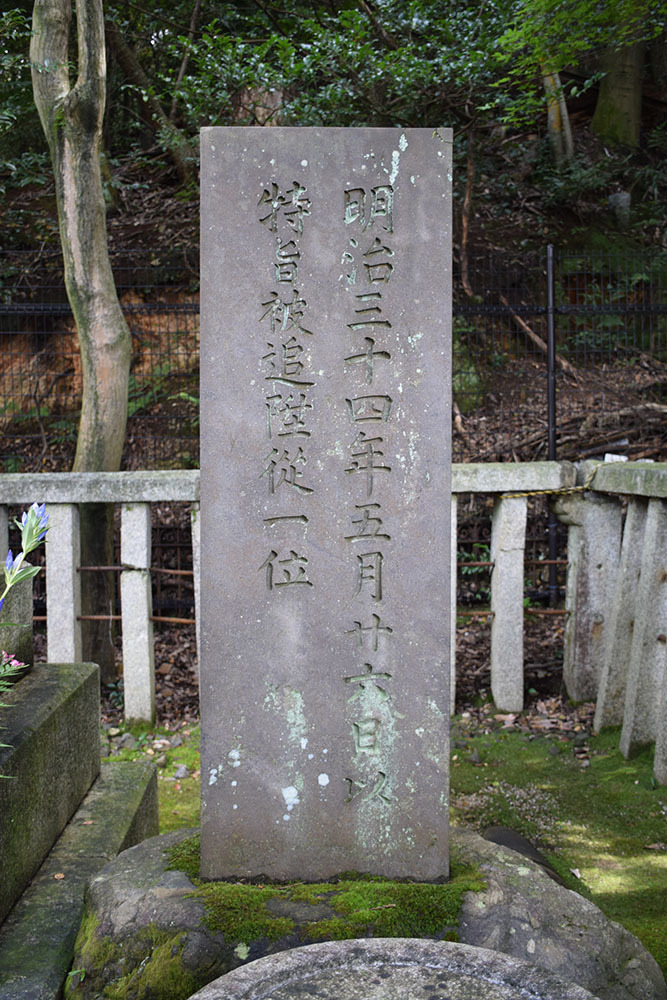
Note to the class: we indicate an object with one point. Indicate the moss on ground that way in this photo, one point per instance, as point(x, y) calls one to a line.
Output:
point(605, 821)
point(177, 800)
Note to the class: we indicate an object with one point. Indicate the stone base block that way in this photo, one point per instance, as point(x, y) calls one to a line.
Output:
point(37, 939)
point(50, 726)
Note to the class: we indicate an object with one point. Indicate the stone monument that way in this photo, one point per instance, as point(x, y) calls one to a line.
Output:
point(325, 498)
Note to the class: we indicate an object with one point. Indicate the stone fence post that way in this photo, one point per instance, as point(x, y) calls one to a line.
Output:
point(508, 539)
point(646, 690)
point(63, 584)
point(593, 546)
point(137, 611)
point(618, 638)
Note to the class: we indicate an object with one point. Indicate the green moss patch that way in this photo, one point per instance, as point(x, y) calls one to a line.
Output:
point(152, 958)
point(359, 905)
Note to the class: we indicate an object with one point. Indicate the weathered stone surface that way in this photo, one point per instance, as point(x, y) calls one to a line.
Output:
point(647, 479)
point(326, 376)
point(525, 914)
point(508, 540)
point(645, 713)
point(51, 726)
point(100, 487)
point(511, 477)
point(593, 545)
point(63, 584)
point(136, 908)
point(610, 703)
point(391, 969)
point(37, 939)
point(137, 605)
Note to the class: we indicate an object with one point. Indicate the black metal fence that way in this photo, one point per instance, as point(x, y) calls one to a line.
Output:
point(610, 353)
point(609, 348)
point(607, 314)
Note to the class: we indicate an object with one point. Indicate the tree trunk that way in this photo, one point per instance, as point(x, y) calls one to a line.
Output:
point(71, 116)
point(617, 116)
point(558, 120)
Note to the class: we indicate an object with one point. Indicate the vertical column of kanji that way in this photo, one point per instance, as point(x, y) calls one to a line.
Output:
point(287, 385)
point(367, 216)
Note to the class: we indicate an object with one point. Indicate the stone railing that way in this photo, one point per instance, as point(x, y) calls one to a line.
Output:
point(616, 601)
point(133, 492)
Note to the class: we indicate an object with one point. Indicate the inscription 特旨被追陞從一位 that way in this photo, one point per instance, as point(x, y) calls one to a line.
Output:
point(286, 415)
point(325, 493)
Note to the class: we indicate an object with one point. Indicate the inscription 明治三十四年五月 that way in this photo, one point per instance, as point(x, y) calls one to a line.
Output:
point(369, 265)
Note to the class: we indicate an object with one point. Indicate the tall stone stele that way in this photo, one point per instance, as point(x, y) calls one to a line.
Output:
point(325, 498)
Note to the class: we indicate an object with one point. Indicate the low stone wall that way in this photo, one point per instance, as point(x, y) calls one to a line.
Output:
point(52, 756)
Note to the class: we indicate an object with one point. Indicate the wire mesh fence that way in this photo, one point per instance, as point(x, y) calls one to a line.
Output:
point(610, 353)
point(610, 321)
point(40, 367)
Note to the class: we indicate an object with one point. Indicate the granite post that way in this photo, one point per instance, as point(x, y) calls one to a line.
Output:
point(325, 502)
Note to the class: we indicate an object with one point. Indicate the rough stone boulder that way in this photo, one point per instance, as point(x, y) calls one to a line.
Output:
point(524, 913)
point(150, 933)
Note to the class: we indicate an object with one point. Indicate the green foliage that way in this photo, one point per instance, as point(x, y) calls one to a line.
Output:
point(548, 35)
point(467, 381)
point(148, 390)
point(20, 131)
point(476, 553)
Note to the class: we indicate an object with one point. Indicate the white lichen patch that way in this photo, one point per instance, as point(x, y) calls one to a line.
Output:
point(323, 780)
point(291, 797)
point(235, 757)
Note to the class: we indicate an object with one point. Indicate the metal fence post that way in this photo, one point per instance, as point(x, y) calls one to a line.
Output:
point(551, 418)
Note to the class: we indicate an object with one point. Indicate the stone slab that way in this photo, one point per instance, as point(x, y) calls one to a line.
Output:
point(610, 703)
point(51, 726)
point(511, 477)
point(644, 712)
point(63, 584)
point(326, 426)
point(646, 479)
point(100, 487)
point(37, 939)
point(391, 969)
point(508, 541)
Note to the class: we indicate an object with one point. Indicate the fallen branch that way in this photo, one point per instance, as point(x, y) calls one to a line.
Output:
point(537, 340)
